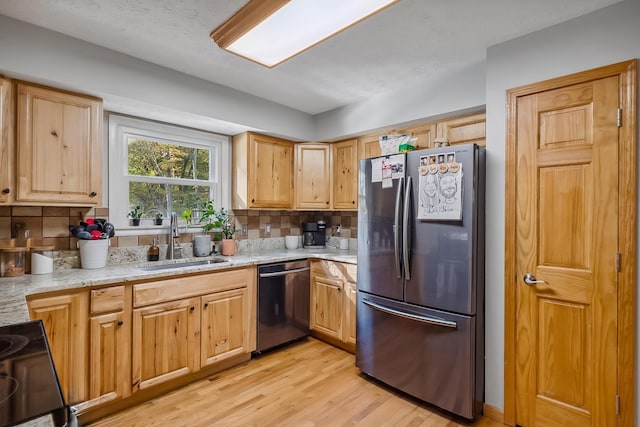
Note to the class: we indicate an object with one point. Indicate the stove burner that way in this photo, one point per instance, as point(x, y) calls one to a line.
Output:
point(10, 344)
point(8, 387)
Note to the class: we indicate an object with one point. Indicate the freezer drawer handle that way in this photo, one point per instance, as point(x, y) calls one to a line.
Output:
point(423, 319)
point(284, 273)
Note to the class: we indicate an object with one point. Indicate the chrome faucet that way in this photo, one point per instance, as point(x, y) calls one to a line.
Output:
point(174, 251)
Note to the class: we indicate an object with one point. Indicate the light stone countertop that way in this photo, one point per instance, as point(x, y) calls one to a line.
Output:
point(13, 290)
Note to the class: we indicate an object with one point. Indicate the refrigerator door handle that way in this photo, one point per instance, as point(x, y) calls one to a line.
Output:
point(423, 319)
point(405, 230)
point(397, 229)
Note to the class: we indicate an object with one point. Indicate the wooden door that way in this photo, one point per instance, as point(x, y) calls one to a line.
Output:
point(109, 358)
point(313, 177)
point(7, 142)
point(345, 175)
point(165, 342)
point(224, 332)
point(566, 236)
point(65, 319)
point(464, 130)
point(327, 305)
point(59, 153)
point(271, 171)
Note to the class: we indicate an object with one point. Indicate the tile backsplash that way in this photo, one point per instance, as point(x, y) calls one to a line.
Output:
point(50, 225)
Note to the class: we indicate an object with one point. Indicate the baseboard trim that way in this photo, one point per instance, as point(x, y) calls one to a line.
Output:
point(493, 413)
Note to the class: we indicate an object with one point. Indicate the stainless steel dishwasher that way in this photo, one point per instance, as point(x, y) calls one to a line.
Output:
point(283, 303)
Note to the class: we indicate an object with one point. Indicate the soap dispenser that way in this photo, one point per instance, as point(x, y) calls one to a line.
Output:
point(153, 254)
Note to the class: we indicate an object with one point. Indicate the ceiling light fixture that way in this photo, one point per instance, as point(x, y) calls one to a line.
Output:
point(271, 31)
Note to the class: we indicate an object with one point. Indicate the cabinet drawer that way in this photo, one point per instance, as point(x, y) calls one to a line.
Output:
point(334, 269)
point(188, 286)
point(107, 299)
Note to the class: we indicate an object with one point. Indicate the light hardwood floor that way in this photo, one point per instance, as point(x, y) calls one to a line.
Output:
point(306, 384)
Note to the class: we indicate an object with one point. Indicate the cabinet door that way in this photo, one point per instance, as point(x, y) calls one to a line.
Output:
point(109, 357)
point(345, 175)
point(270, 172)
point(65, 321)
point(369, 146)
point(6, 141)
point(313, 178)
point(59, 149)
point(165, 342)
point(350, 296)
point(225, 329)
point(464, 130)
point(327, 304)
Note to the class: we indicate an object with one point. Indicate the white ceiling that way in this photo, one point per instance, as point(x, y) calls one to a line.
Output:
point(408, 43)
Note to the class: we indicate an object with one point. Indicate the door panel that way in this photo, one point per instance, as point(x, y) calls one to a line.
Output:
point(567, 219)
point(377, 272)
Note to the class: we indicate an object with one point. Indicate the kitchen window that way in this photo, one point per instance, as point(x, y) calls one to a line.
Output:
point(164, 168)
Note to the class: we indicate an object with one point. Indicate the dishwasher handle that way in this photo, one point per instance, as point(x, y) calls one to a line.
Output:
point(284, 273)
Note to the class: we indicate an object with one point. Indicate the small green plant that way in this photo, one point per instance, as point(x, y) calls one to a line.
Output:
point(227, 223)
point(136, 212)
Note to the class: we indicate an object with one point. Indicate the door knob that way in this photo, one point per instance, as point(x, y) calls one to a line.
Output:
point(531, 280)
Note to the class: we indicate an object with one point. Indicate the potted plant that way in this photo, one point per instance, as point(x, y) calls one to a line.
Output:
point(158, 219)
point(135, 214)
point(228, 229)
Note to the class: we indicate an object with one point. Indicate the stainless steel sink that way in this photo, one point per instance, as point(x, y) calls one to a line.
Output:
point(183, 264)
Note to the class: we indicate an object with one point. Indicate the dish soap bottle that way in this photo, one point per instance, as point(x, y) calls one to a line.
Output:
point(153, 254)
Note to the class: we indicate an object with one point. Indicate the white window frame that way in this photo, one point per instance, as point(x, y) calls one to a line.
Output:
point(123, 127)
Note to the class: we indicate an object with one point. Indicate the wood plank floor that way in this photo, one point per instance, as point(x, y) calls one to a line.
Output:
point(306, 384)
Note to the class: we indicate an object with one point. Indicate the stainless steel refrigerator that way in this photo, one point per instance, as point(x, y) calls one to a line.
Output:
point(420, 312)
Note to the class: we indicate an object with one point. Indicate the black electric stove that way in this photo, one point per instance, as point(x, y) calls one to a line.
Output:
point(29, 386)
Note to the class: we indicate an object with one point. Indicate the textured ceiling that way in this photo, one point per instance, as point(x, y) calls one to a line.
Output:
point(410, 42)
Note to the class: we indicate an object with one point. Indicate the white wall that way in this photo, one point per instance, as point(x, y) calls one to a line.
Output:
point(459, 91)
point(134, 86)
point(600, 38)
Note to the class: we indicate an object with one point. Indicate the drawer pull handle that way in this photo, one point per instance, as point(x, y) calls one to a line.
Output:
point(6, 191)
point(120, 323)
point(192, 308)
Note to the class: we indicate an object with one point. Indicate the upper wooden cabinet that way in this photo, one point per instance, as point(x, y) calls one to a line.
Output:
point(7, 188)
point(458, 130)
point(345, 175)
point(464, 130)
point(262, 172)
point(313, 176)
point(59, 147)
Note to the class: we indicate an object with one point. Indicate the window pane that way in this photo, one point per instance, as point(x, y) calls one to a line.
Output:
point(152, 158)
point(163, 198)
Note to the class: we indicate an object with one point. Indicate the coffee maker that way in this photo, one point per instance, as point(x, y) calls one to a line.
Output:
point(314, 234)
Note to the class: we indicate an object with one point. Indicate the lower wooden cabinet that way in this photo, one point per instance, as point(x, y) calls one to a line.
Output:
point(225, 328)
point(111, 343)
point(165, 342)
point(333, 302)
point(109, 357)
point(65, 322)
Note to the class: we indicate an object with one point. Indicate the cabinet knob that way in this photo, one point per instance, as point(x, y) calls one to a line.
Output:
point(327, 202)
point(253, 200)
point(93, 194)
point(353, 202)
point(206, 304)
point(120, 322)
point(192, 308)
point(54, 133)
point(6, 191)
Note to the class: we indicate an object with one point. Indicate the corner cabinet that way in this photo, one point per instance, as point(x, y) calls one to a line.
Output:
point(345, 175)
point(7, 142)
point(313, 176)
point(333, 303)
point(59, 147)
point(262, 172)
